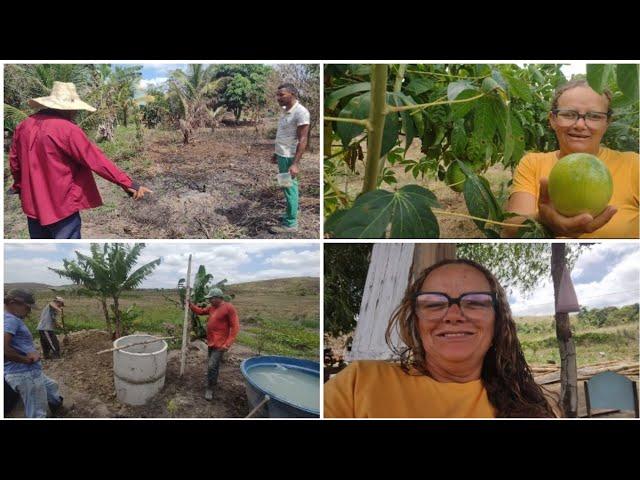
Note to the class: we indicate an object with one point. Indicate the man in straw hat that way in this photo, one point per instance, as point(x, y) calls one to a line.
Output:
point(52, 161)
point(22, 365)
point(222, 328)
point(46, 328)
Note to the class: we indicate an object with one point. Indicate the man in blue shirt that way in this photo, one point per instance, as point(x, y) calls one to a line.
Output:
point(22, 365)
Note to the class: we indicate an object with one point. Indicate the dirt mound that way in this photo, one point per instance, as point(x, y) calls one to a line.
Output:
point(86, 383)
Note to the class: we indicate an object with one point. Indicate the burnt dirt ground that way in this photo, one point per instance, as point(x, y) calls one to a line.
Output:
point(222, 185)
point(86, 383)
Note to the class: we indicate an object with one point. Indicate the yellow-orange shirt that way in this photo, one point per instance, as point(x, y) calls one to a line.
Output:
point(377, 389)
point(624, 172)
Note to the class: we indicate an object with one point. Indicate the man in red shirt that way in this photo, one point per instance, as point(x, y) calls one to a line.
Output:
point(222, 328)
point(52, 161)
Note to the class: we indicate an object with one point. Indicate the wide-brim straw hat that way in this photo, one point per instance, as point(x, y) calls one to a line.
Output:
point(63, 97)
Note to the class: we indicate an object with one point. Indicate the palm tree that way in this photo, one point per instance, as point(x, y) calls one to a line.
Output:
point(23, 82)
point(196, 91)
point(107, 272)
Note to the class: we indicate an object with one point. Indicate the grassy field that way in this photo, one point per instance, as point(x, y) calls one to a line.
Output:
point(276, 316)
point(618, 341)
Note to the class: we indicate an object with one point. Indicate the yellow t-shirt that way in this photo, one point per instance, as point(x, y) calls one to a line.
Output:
point(624, 171)
point(377, 389)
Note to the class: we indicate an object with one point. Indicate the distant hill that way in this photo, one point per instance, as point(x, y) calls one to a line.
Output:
point(32, 286)
point(280, 285)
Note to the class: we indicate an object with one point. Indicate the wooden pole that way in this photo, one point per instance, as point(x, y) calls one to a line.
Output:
point(568, 362)
point(257, 407)
point(427, 254)
point(185, 324)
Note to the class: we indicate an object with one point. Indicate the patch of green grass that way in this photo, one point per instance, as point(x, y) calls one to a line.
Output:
point(281, 338)
point(618, 342)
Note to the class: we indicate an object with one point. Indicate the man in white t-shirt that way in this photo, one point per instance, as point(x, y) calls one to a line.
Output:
point(291, 142)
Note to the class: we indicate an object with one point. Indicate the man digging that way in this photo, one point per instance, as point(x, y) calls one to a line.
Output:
point(46, 328)
point(22, 365)
point(291, 142)
point(222, 328)
point(52, 161)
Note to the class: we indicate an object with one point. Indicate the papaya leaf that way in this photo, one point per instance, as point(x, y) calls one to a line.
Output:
point(489, 85)
point(418, 86)
point(334, 98)
point(333, 220)
point(627, 79)
point(485, 121)
point(408, 126)
point(454, 89)
point(358, 107)
point(408, 210)
point(480, 200)
point(458, 138)
point(518, 88)
point(598, 75)
point(459, 110)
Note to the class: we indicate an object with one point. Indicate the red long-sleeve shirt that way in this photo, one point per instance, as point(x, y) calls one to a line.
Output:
point(52, 160)
point(222, 325)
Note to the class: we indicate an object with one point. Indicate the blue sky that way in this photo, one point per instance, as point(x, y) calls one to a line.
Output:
point(237, 263)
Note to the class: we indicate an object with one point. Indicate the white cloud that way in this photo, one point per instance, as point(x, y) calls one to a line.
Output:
point(614, 270)
point(32, 270)
point(30, 247)
point(293, 259)
point(152, 82)
point(574, 68)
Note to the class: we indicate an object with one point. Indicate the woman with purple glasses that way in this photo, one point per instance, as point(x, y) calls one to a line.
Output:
point(460, 356)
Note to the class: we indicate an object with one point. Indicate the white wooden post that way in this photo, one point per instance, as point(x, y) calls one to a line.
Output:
point(185, 323)
point(392, 267)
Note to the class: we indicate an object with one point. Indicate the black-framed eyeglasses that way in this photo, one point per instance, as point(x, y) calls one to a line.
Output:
point(435, 305)
point(569, 117)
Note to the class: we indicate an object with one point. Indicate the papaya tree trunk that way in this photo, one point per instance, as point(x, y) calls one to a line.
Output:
point(397, 87)
point(376, 126)
point(568, 367)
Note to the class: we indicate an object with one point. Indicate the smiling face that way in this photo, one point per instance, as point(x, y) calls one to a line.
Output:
point(580, 137)
point(456, 344)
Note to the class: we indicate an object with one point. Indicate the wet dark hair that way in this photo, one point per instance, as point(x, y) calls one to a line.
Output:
point(505, 374)
point(290, 88)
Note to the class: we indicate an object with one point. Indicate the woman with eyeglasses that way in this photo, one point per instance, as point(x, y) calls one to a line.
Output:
point(579, 116)
point(460, 356)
